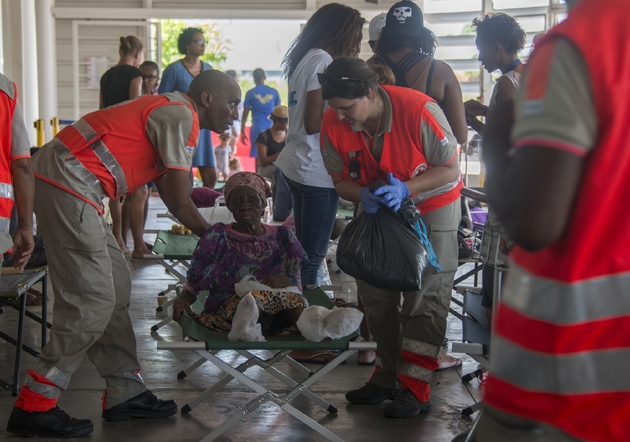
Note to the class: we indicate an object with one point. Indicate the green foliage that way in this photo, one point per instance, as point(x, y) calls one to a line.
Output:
point(216, 50)
point(468, 30)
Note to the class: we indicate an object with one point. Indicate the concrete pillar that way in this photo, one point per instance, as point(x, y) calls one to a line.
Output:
point(29, 90)
point(47, 63)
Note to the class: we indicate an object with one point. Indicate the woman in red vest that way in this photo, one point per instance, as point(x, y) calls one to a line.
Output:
point(400, 135)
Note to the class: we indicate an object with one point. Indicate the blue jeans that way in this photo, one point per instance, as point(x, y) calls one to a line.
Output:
point(282, 198)
point(315, 209)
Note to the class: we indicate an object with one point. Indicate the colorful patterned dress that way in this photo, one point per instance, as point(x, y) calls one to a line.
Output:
point(224, 257)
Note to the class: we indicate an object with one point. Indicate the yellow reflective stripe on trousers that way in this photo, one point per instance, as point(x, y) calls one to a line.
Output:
point(576, 373)
point(6, 191)
point(564, 304)
point(75, 166)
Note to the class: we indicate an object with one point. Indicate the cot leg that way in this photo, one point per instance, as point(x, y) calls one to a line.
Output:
point(18, 348)
point(192, 367)
point(167, 303)
point(162, 323)
point(473, 408)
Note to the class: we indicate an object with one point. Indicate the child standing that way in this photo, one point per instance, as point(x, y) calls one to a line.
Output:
point(235, 166)
point(150, 77)
point(223, 154)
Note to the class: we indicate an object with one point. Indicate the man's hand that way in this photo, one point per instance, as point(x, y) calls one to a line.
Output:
point(23, 245)
point(182, 304)
point(243, 137)
point(277, 281)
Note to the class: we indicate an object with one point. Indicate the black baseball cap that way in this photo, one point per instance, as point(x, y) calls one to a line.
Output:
point(404, 18)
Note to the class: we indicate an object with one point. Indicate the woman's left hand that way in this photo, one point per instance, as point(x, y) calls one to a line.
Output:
point(277, 281)
point(394, 193)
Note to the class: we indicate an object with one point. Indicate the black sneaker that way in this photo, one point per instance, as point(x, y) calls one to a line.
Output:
point(145, 405)
point(52, 423)
point(406, 405)
point(370, 393)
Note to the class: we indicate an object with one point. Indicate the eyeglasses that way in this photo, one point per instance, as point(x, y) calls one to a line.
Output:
point(151, 77)
point(338, 81)
point(200, 42)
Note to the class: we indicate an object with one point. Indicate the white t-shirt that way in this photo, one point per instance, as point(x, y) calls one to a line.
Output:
point(301, 159)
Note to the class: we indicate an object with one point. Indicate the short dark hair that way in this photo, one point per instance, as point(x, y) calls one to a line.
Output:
point(356, 79)
point(389, 42)
point(185, 38)
point(231, 73)
point(334, 26)
point(150, 64)
point(503, 29)
point(259, 74)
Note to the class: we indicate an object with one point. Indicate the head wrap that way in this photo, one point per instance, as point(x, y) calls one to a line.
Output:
point(247, 179)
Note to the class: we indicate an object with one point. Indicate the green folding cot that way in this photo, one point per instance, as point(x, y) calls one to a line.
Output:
point(210, 345)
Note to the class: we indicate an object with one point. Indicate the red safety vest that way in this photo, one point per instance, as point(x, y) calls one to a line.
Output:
point(8, 100)
point(561, 349)
point(110, 150)
point(402, 154)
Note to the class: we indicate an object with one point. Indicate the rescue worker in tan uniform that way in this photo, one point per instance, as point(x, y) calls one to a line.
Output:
point(111, 153)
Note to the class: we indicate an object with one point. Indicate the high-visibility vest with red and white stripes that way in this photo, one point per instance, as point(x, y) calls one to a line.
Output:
point(8, 100)
point(561, 348)
point(110, 150)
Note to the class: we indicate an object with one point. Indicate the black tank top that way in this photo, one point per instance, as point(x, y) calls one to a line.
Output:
point(404, 65)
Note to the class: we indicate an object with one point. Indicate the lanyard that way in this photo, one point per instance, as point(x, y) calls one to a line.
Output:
point(513, 65)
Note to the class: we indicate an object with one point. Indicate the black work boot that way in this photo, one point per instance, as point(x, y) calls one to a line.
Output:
point(370, 393)
point(52, 423)
point(145, 405)
point(406, 405)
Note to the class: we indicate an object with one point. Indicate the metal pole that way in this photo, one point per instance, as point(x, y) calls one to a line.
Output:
point(47, 62)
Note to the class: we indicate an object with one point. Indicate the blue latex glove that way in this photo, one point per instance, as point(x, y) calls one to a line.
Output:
point(371, 203)
point(393, 194)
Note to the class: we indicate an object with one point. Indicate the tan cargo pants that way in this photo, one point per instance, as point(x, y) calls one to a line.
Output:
point(415, 321)
point(92, 288)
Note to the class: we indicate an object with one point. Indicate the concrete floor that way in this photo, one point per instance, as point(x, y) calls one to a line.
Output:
point(268, 423)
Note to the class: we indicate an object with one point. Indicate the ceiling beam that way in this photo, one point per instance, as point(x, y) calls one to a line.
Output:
point(177, 13)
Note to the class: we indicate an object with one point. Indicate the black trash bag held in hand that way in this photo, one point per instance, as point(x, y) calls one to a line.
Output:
point(384, 250)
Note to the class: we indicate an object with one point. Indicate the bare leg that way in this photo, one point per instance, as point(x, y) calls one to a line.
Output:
point(208, 176)
point(136, 219)
point(126, 205)
point(115, 211)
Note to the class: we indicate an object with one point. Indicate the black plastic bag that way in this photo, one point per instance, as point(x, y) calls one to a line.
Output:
point(384, 250)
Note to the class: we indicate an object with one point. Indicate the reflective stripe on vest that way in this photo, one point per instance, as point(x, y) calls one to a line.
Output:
point(6, 191)
point(566, 304)
point(106, 157)
point(582, 373)
point(75, 166)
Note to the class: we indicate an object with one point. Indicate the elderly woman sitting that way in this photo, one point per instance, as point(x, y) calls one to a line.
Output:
point(227, 254)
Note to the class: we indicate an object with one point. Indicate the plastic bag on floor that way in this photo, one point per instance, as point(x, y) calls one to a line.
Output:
point(384, 249)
